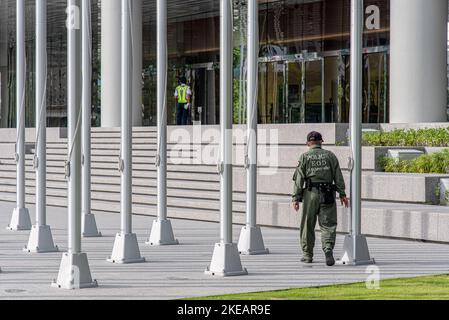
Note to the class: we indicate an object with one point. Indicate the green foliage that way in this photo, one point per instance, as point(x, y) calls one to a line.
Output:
point(438, 137)
point(236, 84)
point(236, 103)
point(436, 163)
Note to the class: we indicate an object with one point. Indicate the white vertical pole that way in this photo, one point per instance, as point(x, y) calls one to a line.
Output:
point(74, 272)
point(162, 231)
point(20, 102)
point(74, 129)
point(161, 103)
point(356, 110)
point(41, 110)
point(355, 246)
point(226, 68)
point(41, 239)
point(226, 258)
point(323, 84)
point(126, 127)
point(89, 225)
point(21, 218)
point(253, 56)
point(251, 240)
point(126, 248)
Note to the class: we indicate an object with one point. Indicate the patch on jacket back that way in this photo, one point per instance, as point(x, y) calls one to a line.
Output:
point(317, 163)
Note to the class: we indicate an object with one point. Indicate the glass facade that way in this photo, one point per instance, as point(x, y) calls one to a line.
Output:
point(303, 69)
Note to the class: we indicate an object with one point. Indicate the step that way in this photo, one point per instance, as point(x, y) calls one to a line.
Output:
point(395, 220)
point(58, 189)
point(60, 199)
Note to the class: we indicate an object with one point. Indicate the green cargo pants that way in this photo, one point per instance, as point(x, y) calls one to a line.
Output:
point(327, 218)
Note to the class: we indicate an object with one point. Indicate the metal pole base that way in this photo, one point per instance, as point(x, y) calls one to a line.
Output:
point(41, 240)
point(90, 229)
point(126, 249)
point(362, 252)
point(162, 234)
point(20, 220)
point(226, 261)
point(74, 273)
point(251, 242)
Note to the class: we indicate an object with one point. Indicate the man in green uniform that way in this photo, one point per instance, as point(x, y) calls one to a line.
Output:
point(316, 180)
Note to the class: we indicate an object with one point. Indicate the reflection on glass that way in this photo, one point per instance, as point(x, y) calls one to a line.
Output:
point(295, 93)
point(375, 88)
point(272, 104)
point(313, 91)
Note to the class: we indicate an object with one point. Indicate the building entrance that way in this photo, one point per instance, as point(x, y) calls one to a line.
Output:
point(302, 88)
point(205, 83)
point(314, 88)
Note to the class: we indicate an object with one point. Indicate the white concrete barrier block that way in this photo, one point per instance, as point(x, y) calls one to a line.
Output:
point(444, 192)
point(370, 130)
point(404, 154)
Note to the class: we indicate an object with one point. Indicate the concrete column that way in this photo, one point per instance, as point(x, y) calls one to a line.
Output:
point(137, 62)
point(111, 61)
point(3, 63)
point(418, 73)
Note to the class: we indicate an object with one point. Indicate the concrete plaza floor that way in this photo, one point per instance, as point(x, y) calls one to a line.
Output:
point(178, 271)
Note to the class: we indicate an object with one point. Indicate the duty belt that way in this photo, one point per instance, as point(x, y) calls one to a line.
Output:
point(320, 186)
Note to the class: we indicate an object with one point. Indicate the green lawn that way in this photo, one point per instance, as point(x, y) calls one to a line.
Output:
point(422, 288)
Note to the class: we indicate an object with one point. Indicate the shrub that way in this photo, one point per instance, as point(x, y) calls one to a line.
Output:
point(437, 163)
point(438, 137)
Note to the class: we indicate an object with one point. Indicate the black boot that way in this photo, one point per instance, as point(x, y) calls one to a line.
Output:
point(306, 260)
point(330, 261)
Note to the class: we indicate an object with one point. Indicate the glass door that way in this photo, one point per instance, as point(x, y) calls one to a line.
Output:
point(375, 88)
point(336, 88)
point(314, 91)
point(204, 81)
point(272, 97)
point(295, 92)
point(305, 91)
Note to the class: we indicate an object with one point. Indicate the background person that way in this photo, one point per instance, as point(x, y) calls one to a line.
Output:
point(183, 95)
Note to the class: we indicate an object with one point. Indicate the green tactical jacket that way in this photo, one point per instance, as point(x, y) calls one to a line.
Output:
point(321, 166)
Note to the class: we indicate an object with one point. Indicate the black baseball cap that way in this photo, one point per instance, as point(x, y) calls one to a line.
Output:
point(314, 136)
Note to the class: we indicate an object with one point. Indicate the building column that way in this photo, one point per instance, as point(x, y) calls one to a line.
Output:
point(3, 64)
point(111, 62)
point(418, 72)
point(137, 63)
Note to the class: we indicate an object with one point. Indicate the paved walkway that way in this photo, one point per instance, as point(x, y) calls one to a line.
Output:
point(177, 272)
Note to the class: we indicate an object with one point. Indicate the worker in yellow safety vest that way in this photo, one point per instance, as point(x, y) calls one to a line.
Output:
point(183, 95)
